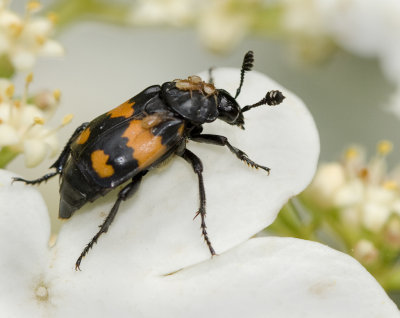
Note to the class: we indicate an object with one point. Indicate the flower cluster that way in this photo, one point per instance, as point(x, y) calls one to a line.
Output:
point(221, 24)
point(22, 123)
point(355, 203)
point(365, 194)
point(23, 39)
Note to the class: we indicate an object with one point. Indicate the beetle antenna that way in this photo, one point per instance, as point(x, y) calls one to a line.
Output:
point(272, 98)
point(246, 66)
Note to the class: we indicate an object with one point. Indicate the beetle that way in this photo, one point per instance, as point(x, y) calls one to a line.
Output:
point(135, 137)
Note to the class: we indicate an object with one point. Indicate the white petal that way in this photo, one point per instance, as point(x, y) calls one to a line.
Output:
point(34, 152)
point(52, 142)
point(8, 135)
point(4, 44)
point(39, 26)
point(52, 48)
point(25, 229)
point(23, 60)
point(264, 277)
point(349, 194)
point(330, 177)
point(8, 18)
point(27, 115)
point(375, 215)
point(155, 229)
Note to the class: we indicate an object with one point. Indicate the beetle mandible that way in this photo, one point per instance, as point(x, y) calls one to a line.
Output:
point(129, 140)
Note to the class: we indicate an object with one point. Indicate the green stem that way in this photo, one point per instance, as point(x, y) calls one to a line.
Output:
point(289, 222)
point(6, 156)
point(6, 68)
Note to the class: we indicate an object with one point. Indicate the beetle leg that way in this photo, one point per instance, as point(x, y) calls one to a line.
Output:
point(195, 161)
point(62, 159)
point(223, 141)
point(60, 162)
point(125, 193)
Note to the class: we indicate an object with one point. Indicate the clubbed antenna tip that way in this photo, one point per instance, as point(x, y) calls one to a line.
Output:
point(272, 98)
point(247, 65)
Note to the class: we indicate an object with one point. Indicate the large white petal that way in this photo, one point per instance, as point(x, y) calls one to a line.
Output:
point(24, 230)
point(155, 231)
point(264, 277)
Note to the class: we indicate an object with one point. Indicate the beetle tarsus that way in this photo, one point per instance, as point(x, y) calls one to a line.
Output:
point(36, 181)
point(197, 166)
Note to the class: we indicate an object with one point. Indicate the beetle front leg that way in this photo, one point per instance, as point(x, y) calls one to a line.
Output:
point(126, 192)
point(223, 141)
point(197, 166)
point(60, 162)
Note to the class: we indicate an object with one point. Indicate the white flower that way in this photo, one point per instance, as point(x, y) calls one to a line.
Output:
point(23, 39)
point(329, 179)
point(22, 127)
point(220, 27)
point(366, 252)
point(363, 192)
point(152, 261)
point(170, 12)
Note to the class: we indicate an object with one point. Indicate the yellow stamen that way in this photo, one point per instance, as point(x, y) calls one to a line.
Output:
point(384, 147)
point(33, 6)
point(40, 39)
point(1, 99)
point(29, 78)
point(351, 153)
point(17, 103)
point(390, 185)
point(1, 121)
point(16, 28)
point(10, 91)
point(53, 17)
point(57, 94)
point(38, 120)
point(67, 119)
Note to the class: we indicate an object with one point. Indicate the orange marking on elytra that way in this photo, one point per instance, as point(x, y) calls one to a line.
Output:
point(151, 121)
point(124, 110)
point(83, 137)
point(146, 147)
point(99, 164)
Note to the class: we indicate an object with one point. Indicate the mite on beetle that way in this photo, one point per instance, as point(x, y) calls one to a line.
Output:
point(129, 140)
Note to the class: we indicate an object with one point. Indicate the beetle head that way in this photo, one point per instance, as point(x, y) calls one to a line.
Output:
point(229, 109)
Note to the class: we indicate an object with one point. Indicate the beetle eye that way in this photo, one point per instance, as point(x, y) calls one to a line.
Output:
point(228, 109)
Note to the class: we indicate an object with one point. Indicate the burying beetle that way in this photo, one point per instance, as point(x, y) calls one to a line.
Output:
point(126, 142)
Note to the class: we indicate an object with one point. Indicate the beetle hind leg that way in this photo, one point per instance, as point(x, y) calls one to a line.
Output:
point(123, 195)
point(197, 166)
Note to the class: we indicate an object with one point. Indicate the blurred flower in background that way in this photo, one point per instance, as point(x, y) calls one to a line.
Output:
point(23, 39)
point(354, 206)
point(22, 124)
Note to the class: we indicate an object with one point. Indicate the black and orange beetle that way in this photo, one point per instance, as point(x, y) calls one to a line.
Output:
point(126, 142)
